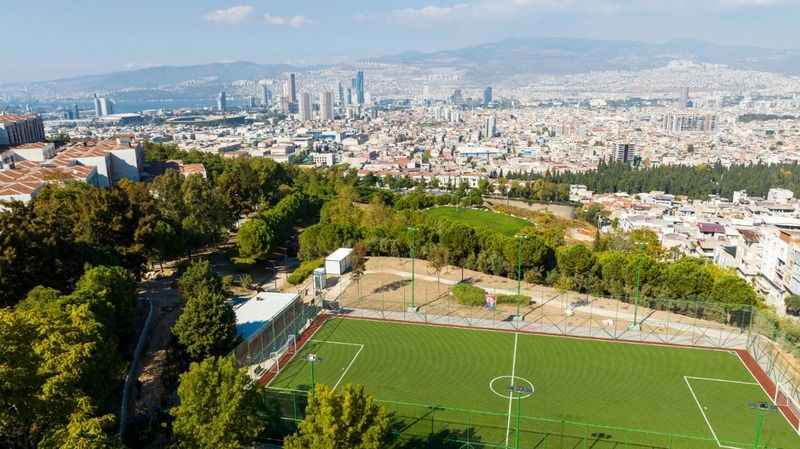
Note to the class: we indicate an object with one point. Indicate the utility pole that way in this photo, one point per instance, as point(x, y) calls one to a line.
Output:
point(638, 293)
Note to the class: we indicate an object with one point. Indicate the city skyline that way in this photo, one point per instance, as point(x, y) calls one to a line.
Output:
point(183, 33)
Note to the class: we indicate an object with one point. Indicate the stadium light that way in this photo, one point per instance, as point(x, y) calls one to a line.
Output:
point(638, 295)
point(520, 238)
point(413, 232)
point(313, 359)
point(763, 408)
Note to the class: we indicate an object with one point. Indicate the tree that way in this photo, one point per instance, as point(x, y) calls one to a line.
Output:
point(359, 265)
point(438, 258)
point(206, 326)
point(84, 431)
point(199, 277)
point(347, 420)
point(793, 305)
point(255, 239)
point(218, 407)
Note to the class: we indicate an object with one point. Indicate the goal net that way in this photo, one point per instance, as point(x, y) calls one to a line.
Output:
point(786, 398)
point(282, 356)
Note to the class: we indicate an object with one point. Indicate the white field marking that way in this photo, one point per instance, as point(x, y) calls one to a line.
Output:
point(708, 423)
point(336, 342)
point(710, 379)
point(780, 409)
point(491, 387)
point(348, 366)
point(511, 396)
point(358, 345)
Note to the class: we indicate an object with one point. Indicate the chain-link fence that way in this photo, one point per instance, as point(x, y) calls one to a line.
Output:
point(431, 426)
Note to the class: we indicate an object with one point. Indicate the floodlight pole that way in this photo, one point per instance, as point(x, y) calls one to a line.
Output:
point(638, 294)
point(312, 360)
point(519, 401)
point(413, 231)
point(519, 238)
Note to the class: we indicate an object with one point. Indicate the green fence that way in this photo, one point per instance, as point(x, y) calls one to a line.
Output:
point(430, 426)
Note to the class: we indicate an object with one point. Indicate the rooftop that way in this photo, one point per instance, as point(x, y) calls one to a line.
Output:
point(254, 314)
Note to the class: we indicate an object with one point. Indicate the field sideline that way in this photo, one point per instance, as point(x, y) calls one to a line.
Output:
point(697, 393)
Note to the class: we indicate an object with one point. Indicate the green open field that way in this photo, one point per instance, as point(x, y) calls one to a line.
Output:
point(480, 219)
point(449, 387)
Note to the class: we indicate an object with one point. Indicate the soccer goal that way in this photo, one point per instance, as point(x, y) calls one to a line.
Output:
point(289, 347)
point(786, 399)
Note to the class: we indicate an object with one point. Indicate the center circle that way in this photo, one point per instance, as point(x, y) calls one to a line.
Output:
point(505, 387)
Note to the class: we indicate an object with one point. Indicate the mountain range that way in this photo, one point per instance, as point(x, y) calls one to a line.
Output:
point(492, 62)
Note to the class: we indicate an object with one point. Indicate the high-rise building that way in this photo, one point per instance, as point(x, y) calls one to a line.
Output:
point(341, 94)
point(683, 100)
point(490, 127)
point(251, 102)
point(349, 97)
point(305, 107)
point(103, 106)
point(487, 96)
point(358, 87)
point(625, 153)
point(20, 129)
point(76, 112)
point(426, 92)
point(266, 96)
point(285, 105)
point(326, 106)
point(222, 102)
point(457, 97)
point(292, 88)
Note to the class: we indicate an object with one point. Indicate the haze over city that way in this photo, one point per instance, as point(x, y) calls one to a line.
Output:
point(404, 224)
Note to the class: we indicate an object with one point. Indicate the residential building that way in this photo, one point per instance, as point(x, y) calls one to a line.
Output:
point(305, 107)
point(326, 106)
point(20, 129)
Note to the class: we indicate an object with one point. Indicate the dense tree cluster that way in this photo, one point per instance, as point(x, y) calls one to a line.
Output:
point(61, 360)
point(259, 236)
point(607, 268)
point(695, 182)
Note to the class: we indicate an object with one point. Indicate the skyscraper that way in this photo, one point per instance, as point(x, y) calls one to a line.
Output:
point(76, 113)
point(358, 87)
point(266, 96)
point(305, 107)
point(222, 102)
point(683, 100)
point(292, 89)
point(348, 99)
point(97, 111)
point(490, 127)
point(487, 96)
point(341, 94)
point(326, 106)
point(251, 102)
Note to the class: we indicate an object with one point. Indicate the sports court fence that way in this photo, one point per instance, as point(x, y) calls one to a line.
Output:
point(417, 426)
point(650, 320)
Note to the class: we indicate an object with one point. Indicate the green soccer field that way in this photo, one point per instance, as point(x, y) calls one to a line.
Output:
point(480, 219)
point(450, 386)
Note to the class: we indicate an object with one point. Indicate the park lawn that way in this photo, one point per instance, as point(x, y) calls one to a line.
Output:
point(480, 219)
point(459, 379)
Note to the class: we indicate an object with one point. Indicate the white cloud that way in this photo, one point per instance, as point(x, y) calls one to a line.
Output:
point(483, 8)
point(230, 16)
point(293, 21)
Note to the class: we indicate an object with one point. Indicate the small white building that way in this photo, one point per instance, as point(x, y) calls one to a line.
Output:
point(339, 261)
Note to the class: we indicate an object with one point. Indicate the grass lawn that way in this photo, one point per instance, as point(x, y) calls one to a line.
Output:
point(464, 378)
point(480, 219)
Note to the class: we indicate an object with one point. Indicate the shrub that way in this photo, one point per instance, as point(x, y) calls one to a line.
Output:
point(304, 270)
point(469, 295)
point(513, 299)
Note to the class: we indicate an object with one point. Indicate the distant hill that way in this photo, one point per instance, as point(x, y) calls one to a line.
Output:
point(559, 56)
point(162, 78)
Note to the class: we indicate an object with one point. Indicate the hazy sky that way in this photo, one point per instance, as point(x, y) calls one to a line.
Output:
point(49, 39)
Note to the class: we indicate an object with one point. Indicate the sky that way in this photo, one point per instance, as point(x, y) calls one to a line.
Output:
point(58, 38)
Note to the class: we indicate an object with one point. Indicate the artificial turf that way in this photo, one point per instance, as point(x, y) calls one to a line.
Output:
point(480, 219)
point(669, 392)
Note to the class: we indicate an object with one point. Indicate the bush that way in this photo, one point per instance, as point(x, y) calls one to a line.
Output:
point(469, 295)
point(513, 299)
point(304, 270)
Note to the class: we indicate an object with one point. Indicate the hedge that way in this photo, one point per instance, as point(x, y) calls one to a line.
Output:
point(304, 270)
